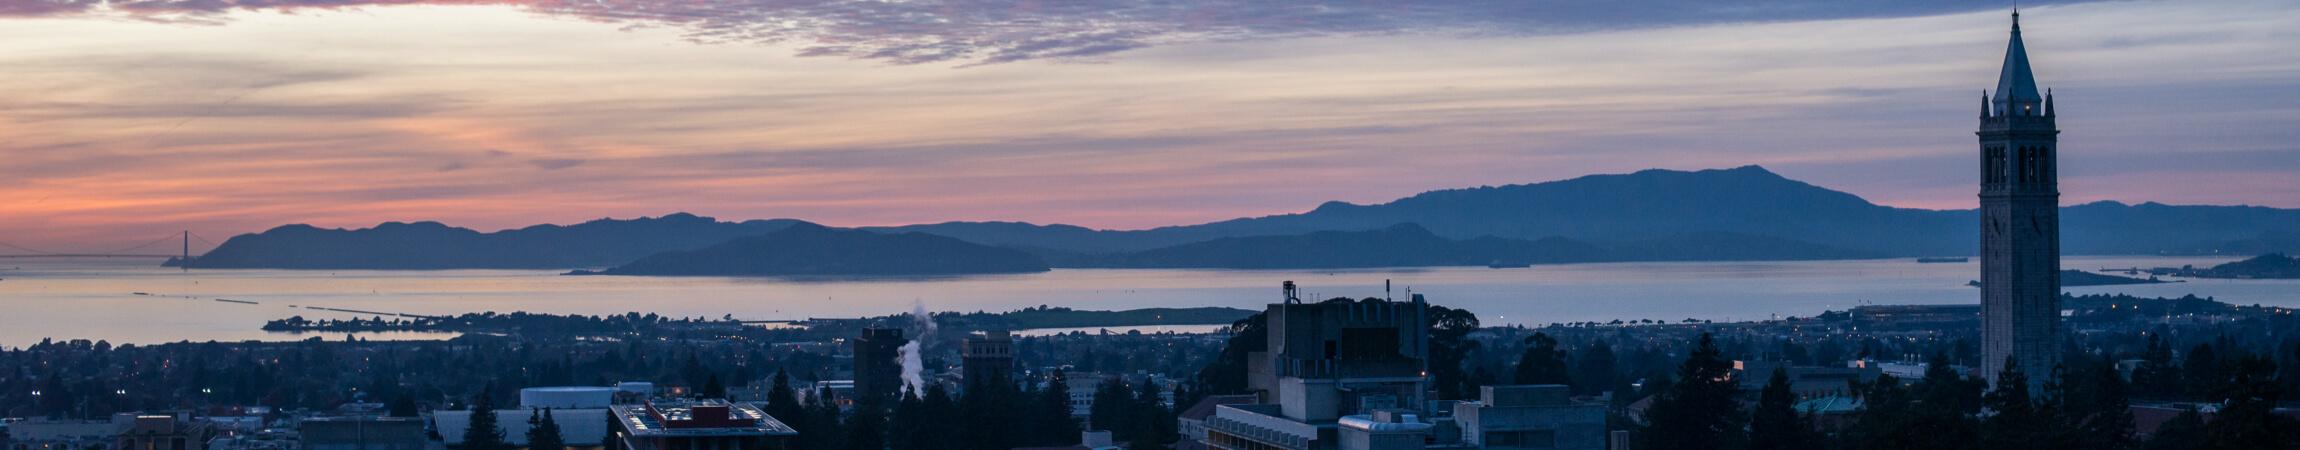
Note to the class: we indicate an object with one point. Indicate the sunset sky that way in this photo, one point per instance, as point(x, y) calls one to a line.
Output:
point(124, 121)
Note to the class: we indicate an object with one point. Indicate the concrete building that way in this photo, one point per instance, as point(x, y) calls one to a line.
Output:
point(1386, 429)
point(1528, 417)
point(362, 433)
point(988, 356)
point(698, 425)
point(43, 434)
point(2020, 223)
point(1191, 422)
point(1806, 382)
point(1327, 361)
point(161, 432)
point(581, 413)
point(878, 363)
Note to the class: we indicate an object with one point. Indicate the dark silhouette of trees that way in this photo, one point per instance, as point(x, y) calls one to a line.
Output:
point(483, 433)
point(1698, 411)
point(783, 404)
point(2183, 432)
point(2015, 420)
point(1596, 370)
point(1153, 423)
point(1050, 414)
point(2247, 417)
point(1775, 424)
point(543, 432)
point(1542, 363)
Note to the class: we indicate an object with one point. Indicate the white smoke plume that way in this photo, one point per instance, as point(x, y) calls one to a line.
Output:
point(913, 361)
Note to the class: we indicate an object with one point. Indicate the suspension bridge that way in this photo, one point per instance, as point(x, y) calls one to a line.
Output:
point(149, 249)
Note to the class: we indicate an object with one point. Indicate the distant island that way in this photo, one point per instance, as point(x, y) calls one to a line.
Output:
point(807, 249)
point(2079, 278)
point(2269, 266)
point(1737, 214)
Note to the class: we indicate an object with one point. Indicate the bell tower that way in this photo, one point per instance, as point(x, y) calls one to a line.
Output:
point(2020, 223)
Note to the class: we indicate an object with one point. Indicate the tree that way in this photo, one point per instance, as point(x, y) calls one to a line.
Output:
point(1595, 370)
point(1542, 363)
point(2200, 371)
point(543, 432)
point(1775, 425)
point(2016, 421)
point(2096, 408)
point(1450, 347)
point(403, 405)
point(2247, 418)
point(1051, 412)
point(2156, 377)
point(866, 429)
point(712, 388)
point(783, 403)
point(1698, 411)
point(1113, 409)
point(482, 433)
point(1154, 424)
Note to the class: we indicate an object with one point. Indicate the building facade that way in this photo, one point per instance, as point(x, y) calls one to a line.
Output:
point(1531, 417)
point(988, 356)
point(2020, 222)
point(1330, 361)
point(878, 364)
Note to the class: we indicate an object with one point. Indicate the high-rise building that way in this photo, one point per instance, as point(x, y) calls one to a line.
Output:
point(2020, 222)
point(878, 364)
point(1334, 375)
point(988, 356)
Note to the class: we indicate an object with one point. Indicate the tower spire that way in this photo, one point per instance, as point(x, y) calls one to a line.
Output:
point(2016, 84)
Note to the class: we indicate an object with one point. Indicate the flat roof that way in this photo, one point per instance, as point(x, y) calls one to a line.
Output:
point(649, 420)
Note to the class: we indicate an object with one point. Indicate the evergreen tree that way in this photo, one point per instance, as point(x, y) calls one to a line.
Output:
point(2096, 408)
point(1698, 411)
point(1542, 363)
point(2156, 377)
point(2015, 420)
point(403, 405)
point(1153, 422)
point(543, 432)
point(712, 388)
point(483, 433)
point(1775, 425)
point(1051, 412)
point(2247, 417)
point(866, 429)
point(823, 419)
point(783, 403)
point(1113, 409)
point(1595, 371)
point(941, 427)
point(2200, 372)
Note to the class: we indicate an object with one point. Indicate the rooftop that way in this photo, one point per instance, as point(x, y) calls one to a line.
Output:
point(698, 418)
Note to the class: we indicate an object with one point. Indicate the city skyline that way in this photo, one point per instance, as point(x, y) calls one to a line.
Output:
point(504, 114)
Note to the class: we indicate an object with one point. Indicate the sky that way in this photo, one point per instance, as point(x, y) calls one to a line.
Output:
point(126, 121)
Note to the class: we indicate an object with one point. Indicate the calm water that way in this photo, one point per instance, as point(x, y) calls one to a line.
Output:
point(94, 299)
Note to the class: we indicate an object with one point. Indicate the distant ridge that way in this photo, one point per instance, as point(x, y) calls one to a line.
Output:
point(431, 245)
point(807, 249)
point(1742, 213)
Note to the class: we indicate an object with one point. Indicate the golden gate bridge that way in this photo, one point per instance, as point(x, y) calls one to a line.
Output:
point(142, 250)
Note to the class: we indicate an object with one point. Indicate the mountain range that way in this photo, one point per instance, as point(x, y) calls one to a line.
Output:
point(1744, 213)
point(807, 249)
